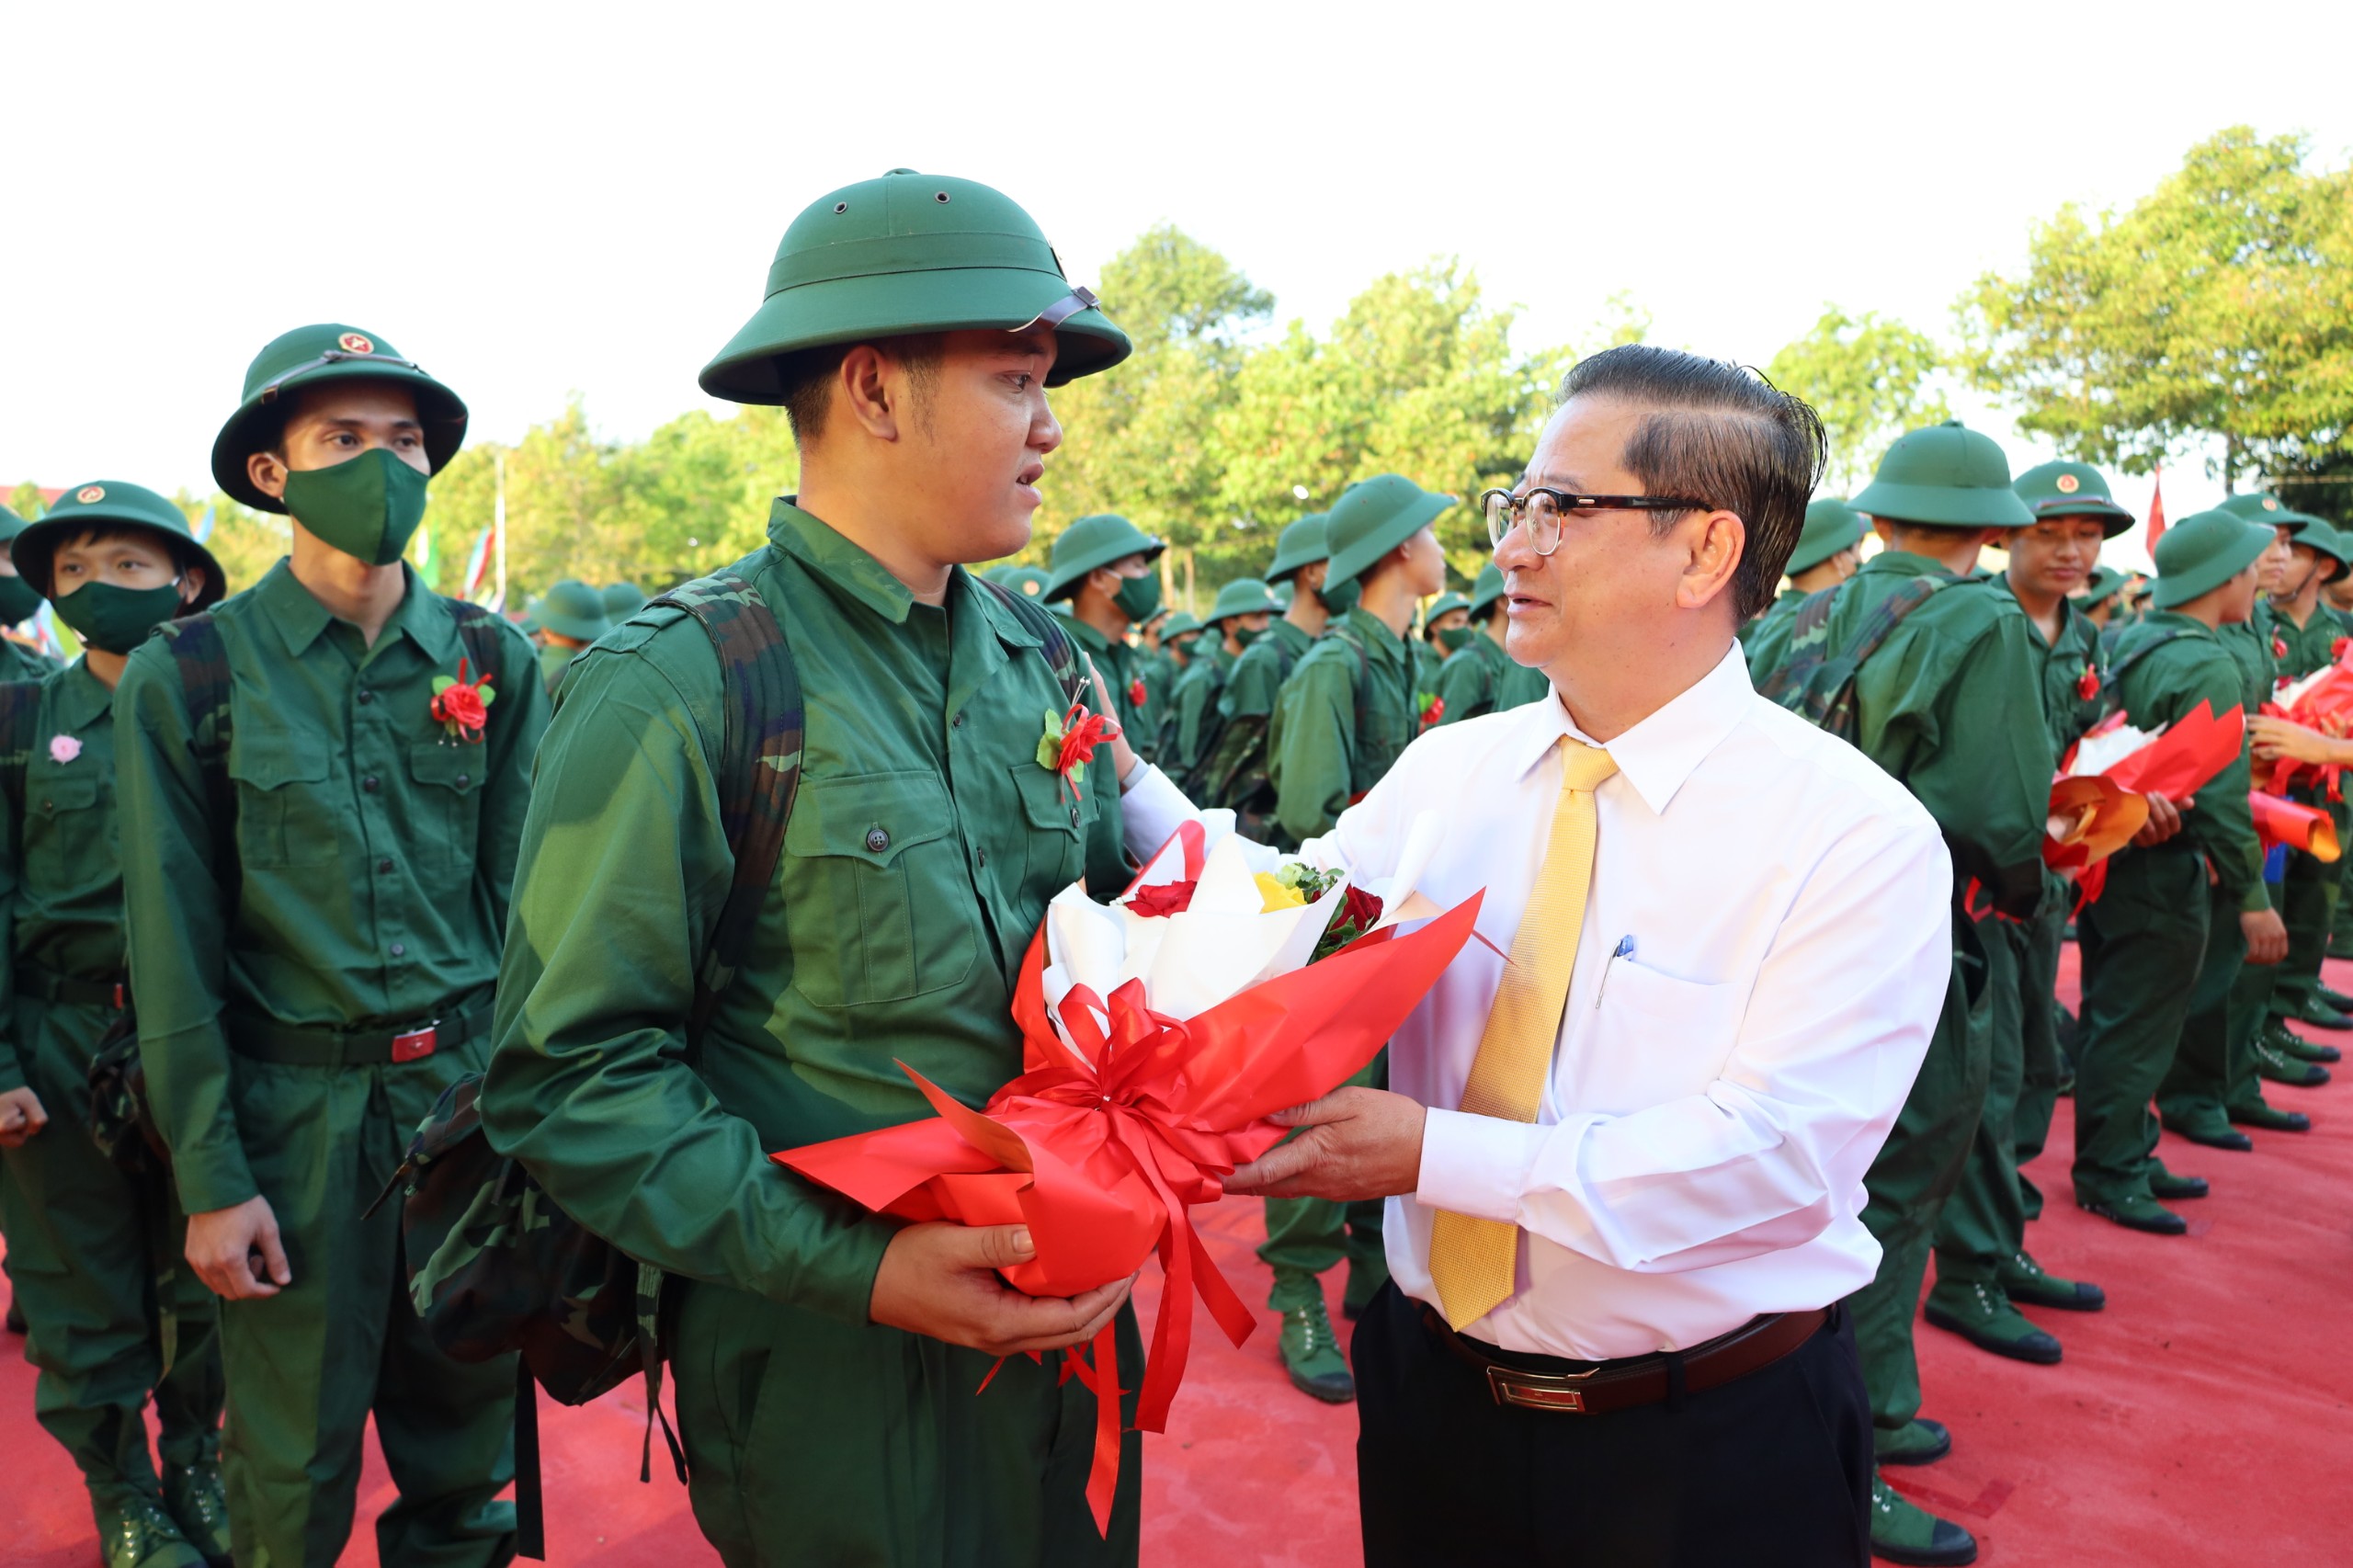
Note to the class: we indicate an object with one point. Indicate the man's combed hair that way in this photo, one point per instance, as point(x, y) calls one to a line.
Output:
point(1720, 433)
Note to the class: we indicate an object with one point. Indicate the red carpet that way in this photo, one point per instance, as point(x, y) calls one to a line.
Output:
point(2203, 1419)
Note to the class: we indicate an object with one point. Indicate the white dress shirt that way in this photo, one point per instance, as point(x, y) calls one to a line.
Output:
point(1718, 1091)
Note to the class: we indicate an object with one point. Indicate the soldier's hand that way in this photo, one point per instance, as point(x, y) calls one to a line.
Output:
point(2266, 935)
point(2164, 821)
point(223, 1244)
point(941, 1279)
point(21, 1117)
point(1123, 756)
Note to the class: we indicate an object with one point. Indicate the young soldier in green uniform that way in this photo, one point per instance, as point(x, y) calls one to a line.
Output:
point(2195, 905)
point(314, 962)
point(826, 1357)
point(1178, 636)
point(1238, 772)
point(1341, 720)
point(18, 604)
point(1950, 704)
point(1827, 553)
point(1983, 1266)
point(1446, 626)
point(1157, 671)
point(1237, 619)
point(2101, 593)
point(96, 1250)
point(571, 616)
point(1480, 677)
point(1104, 566)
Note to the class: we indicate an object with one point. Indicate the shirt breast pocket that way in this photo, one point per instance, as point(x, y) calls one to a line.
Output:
point(448, 800)
point(879, 907)
point(285, 816)
point(1054, 847)
point(1656, 1037)
point(62, 819)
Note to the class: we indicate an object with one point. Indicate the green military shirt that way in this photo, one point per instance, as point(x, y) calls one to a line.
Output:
point(1118, 664)
point(554, 659)
point(20, 662)
point(1766, 641)
point(374, 852)
point(2311, 647)
point(2167, 664)
point(1950, 705)
point(1257, 676)
point(1194, 709)
point(2067, 711)
point(923, 845)
point(61, 881)
point(1785, 605)
point(1159, 675)
point(1482, 678)
point(1343, 718)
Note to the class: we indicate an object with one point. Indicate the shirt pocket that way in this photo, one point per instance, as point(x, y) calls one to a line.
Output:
point(879, 907)
point(1656, 1038)
point(285, 813)
point(1053, 850)
point(65, 831)
point(448, 800)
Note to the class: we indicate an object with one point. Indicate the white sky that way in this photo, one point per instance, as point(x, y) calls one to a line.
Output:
point(538, 200)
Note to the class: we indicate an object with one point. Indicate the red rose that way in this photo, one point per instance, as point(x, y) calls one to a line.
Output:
point(2279, 646)
point(2087, 683)
point(1135, 692)
point(463, 707)
point(2336, 648)
point(1164, 898)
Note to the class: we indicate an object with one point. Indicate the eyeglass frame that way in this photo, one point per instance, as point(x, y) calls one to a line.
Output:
point(1565, 502)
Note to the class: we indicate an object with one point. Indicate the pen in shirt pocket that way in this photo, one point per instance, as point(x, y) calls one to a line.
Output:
point(1624, 949)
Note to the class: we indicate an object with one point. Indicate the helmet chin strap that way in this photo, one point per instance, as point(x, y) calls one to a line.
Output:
point(1078, 299)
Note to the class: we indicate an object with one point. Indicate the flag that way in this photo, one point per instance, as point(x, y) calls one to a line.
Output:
point(2156, 512)
point(477, 567)
point(204, 526)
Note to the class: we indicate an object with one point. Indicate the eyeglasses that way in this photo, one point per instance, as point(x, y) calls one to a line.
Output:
point(1542, 509)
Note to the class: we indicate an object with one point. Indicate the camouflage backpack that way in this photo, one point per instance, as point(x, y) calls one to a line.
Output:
point(1235, 770)
point(1817, 685)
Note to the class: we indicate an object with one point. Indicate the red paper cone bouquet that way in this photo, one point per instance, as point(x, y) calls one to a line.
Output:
point(2101, 798)
point(1158, 1034)
point(2322, 700)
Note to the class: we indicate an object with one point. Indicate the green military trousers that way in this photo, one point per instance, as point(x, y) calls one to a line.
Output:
point(1306, 1236)
point(2308, 900)
point(1907, 1185)
point(95, 1256)
point(2038, 1052)
point(1983, 1224)
point(307, 1367)
point(2148, 930)
point(2213, 1068)
point(812, 1441)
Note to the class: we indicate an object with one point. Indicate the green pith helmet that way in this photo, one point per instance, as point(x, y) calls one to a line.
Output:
point(1486, 591)
point(2328, 544)
point(1027, 581)
point(11, 524)
point(1374, 518)
point(1302, 544)
point(1831, 526)
point(623, 600)
point(1095, 541)
point(2071, 490)
point(2262, 506)
point(2204, 550)
point(1946, 476)
point(1443, 605)
point(311, 356)
point(573, 608)
point(2101, 585)
point(1180, 626)
point(110, 503)
point(1243, 595)
point(910, 253)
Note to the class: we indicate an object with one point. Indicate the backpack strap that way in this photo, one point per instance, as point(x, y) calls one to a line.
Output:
point(1340, 629)
point(2114, 675)
point(759, 764)
point(204, 659)
point(478, 632)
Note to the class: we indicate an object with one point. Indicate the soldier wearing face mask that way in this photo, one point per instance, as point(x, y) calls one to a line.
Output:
point(18, 603)
point(322, 784)
point(1108, 569)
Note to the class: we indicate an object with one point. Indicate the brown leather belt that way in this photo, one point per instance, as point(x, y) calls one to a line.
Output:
point(1639, 1380)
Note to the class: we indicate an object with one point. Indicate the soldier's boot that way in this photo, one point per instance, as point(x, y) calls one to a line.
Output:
point(2272, 1063)
point(2210, 1128)
point(2136, 1212)
point(2025, 1280)
point(2254, 1113)
point(1917, 1441)
point(2165, 1185)
point(1982, 1316)
point(198, 1502)
point(1903, 1532)
point(2333, 997)
point(1311, 1351)
point(134, 1531)
point(2295, 1047)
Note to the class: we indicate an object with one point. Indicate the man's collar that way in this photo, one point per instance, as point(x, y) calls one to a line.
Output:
point(1657, 754)
point(81, 698)
point(300, 619)
point(832, 556)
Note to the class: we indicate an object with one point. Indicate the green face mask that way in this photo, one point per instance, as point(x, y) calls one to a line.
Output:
point(1138, 597)
point(1456, 638)
point(18, 603)
point(1340, 600)
point(117, 620)
point(368, 507)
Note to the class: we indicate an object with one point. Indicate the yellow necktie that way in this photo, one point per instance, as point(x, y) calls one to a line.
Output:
point(1473, 1261)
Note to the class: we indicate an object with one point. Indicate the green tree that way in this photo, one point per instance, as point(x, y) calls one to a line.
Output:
point(1869, 380)
point(2219, 306)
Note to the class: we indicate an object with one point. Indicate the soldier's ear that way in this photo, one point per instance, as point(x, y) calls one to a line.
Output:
point(192, 581)
point(268, 471)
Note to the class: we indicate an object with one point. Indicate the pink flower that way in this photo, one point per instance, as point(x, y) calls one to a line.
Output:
point(65, 748)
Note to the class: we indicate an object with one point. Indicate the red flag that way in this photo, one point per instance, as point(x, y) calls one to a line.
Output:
point(2156, 512)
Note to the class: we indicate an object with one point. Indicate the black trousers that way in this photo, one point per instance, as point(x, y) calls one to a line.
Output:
point(1769, 1470)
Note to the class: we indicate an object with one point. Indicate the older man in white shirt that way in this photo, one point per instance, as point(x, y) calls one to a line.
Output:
point(1625, 1171)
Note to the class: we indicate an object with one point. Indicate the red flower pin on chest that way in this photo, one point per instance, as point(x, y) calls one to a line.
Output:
point(1068, 743)
point(462, 706)
point(1136, 692)
point(2087, 683)
point(2279, 646)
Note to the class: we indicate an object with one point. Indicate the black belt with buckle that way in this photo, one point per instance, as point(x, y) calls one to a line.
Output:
point(288, 1045)
point(1606, 1386)
point(48, 985)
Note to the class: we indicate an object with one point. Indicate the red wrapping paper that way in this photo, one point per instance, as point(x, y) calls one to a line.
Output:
point(2324, 703)
point(2108, 807)
point(2294, 823)
point(1102, 1158)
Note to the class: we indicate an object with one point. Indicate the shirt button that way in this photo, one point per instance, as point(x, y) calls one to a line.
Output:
point(1073, 816)
point(957, 723)
point(984, 860)
point(385, 865)
point(464, 780)
point(400, 949)
point(367, 696)
point(878, 841)
point(368, 783)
